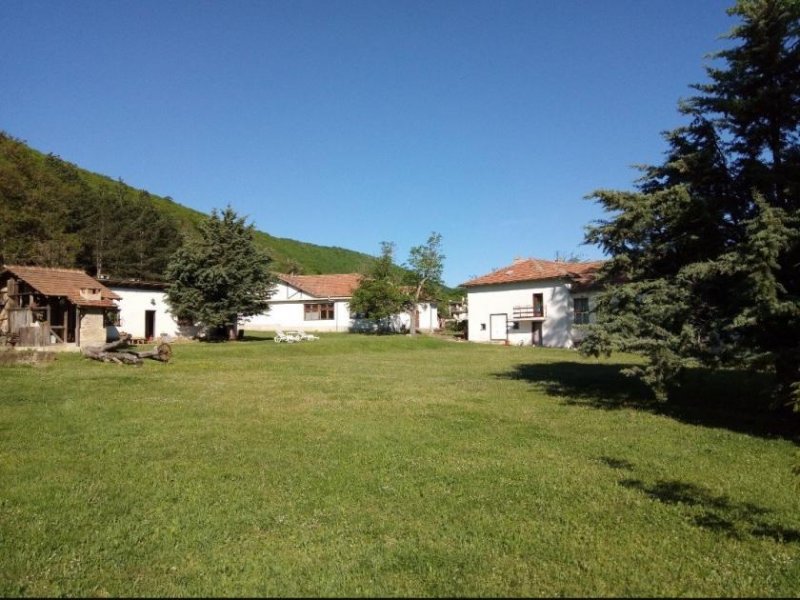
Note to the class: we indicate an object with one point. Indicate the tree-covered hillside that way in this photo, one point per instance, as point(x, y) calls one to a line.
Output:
point(53, 213)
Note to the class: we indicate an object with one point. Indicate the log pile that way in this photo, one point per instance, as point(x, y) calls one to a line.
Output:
point(117, 352)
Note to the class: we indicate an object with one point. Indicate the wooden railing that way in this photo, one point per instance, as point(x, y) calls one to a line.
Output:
point(528, 312)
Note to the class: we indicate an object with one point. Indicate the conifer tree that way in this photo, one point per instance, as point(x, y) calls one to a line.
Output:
point(706, 255)
point(221, 277)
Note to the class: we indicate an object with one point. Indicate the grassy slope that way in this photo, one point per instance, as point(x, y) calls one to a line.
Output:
point(381, 467)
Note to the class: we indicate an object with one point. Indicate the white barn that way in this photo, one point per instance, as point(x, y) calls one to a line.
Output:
point(532, 302)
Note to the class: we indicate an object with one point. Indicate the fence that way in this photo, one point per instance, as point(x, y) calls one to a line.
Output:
point(30, 331)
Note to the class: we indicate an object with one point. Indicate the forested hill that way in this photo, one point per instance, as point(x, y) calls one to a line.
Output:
point(53, 213)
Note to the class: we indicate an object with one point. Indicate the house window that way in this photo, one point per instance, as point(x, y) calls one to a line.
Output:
point(318, 312)
point(581, 308)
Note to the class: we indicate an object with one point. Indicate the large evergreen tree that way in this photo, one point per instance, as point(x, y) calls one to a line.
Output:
point(221, 277)
point(706, 255)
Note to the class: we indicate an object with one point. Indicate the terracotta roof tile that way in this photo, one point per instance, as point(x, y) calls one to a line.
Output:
point(63, 282)
point(324, 286)
point(534, 269)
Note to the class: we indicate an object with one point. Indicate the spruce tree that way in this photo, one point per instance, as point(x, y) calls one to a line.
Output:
point(705, 260)
point(221, 277)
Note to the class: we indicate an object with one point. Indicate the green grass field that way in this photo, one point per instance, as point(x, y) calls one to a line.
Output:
point(386, 466)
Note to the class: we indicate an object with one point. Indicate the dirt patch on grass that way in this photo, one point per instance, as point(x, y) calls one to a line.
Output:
point(25, 357)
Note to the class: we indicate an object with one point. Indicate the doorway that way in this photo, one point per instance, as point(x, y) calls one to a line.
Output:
point(536, 333)
point(149, 324)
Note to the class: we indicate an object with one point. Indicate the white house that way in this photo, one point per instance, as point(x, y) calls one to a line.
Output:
point(532, 302)
point(322, 303)
point(143, 309)
point(298, 302)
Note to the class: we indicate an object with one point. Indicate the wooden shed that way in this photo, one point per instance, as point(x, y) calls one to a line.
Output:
point(42, 306)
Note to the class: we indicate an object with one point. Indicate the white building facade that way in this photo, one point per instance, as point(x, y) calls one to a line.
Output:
point(307, 303)
point(532, 303)
point(143, 310)
point(298, 302)
point(322, 303)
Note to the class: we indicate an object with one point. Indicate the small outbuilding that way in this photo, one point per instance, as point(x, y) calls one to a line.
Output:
point(144, 311)
point(42, 306)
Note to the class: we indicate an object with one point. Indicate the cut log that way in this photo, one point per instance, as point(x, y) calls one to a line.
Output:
point(115, 357)
point(162, 352)
point(112, 352)
point(107, 347)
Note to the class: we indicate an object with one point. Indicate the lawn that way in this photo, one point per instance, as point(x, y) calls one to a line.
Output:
point(386, 466)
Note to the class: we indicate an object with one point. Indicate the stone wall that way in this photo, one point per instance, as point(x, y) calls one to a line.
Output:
point(93, 332)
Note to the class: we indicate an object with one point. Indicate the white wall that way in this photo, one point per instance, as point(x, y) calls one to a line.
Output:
point(557, 330)
point(286, 312)
point(132, 306)
point(428, 316)
point(291, 315)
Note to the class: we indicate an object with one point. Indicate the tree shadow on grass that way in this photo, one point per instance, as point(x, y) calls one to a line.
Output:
point(732, 400)
point(704, 509)
point(256, 338)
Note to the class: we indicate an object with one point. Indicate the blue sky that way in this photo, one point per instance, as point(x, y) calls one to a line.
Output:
point(348, 123)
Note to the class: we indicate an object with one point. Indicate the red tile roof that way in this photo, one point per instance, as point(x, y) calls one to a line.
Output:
point(63, 282)
point(324, 286)
point(534, 269)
